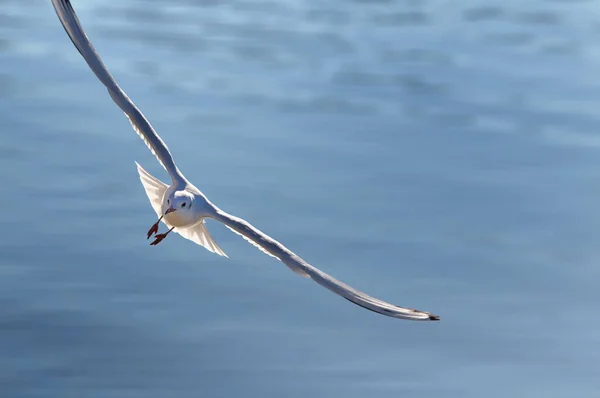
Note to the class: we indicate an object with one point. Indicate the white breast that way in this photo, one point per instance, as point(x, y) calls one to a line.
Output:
point(181, 218)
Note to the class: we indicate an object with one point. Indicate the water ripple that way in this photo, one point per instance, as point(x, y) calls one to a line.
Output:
point(447, 147)
point(409, 18)
point(483, 13)
point(539, 18)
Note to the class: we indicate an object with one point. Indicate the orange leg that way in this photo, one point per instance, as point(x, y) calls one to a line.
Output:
point(159, 237)
point(154, 228)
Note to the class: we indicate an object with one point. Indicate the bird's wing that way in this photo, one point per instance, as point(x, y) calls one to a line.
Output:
point(155, 189)
point(197, 233)
point(140, 124)
point(299, 266)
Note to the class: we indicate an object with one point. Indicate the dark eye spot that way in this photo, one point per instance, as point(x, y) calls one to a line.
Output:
point(183, 205)
point(168, 201)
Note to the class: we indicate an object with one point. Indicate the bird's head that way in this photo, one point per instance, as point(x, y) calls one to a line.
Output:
point(179, 205)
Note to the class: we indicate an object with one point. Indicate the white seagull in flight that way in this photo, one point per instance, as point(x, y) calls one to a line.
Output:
point(183, 208)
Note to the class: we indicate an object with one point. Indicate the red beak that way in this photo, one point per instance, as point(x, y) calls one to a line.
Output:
point(170, 210)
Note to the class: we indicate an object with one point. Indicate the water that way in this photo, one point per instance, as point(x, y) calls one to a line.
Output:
point(442, 155)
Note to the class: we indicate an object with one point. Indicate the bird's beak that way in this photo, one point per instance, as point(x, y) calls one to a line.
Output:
point(170, 210)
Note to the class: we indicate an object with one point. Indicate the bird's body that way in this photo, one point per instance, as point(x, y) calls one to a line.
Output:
point(184, 208)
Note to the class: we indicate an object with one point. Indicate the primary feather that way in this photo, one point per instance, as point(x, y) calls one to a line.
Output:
point(140, 124)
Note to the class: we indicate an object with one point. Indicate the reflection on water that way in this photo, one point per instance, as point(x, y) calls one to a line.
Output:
point(441, 155)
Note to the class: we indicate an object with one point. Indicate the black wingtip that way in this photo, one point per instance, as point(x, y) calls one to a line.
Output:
point(434, 317)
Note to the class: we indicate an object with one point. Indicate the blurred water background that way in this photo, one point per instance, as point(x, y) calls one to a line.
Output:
point(442, 155)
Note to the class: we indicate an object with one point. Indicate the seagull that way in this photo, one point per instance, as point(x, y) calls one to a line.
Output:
point(183, 208)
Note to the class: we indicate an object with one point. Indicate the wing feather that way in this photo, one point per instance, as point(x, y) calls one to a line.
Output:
point(199, 234)
point(141, 125)
point(259, 247)
point(299, 266)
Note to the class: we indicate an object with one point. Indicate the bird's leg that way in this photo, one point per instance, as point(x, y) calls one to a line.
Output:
point(154, 228)
point(159, 237)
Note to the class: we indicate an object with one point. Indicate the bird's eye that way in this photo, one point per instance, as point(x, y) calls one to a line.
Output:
point(183, 205)
point(168, 201)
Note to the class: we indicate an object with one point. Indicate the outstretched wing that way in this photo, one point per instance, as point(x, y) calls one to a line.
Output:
point(197, 233)
point(301, 267)
point(140, 124)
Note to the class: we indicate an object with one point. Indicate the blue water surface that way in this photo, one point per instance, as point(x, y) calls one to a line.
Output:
point(442, 155)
